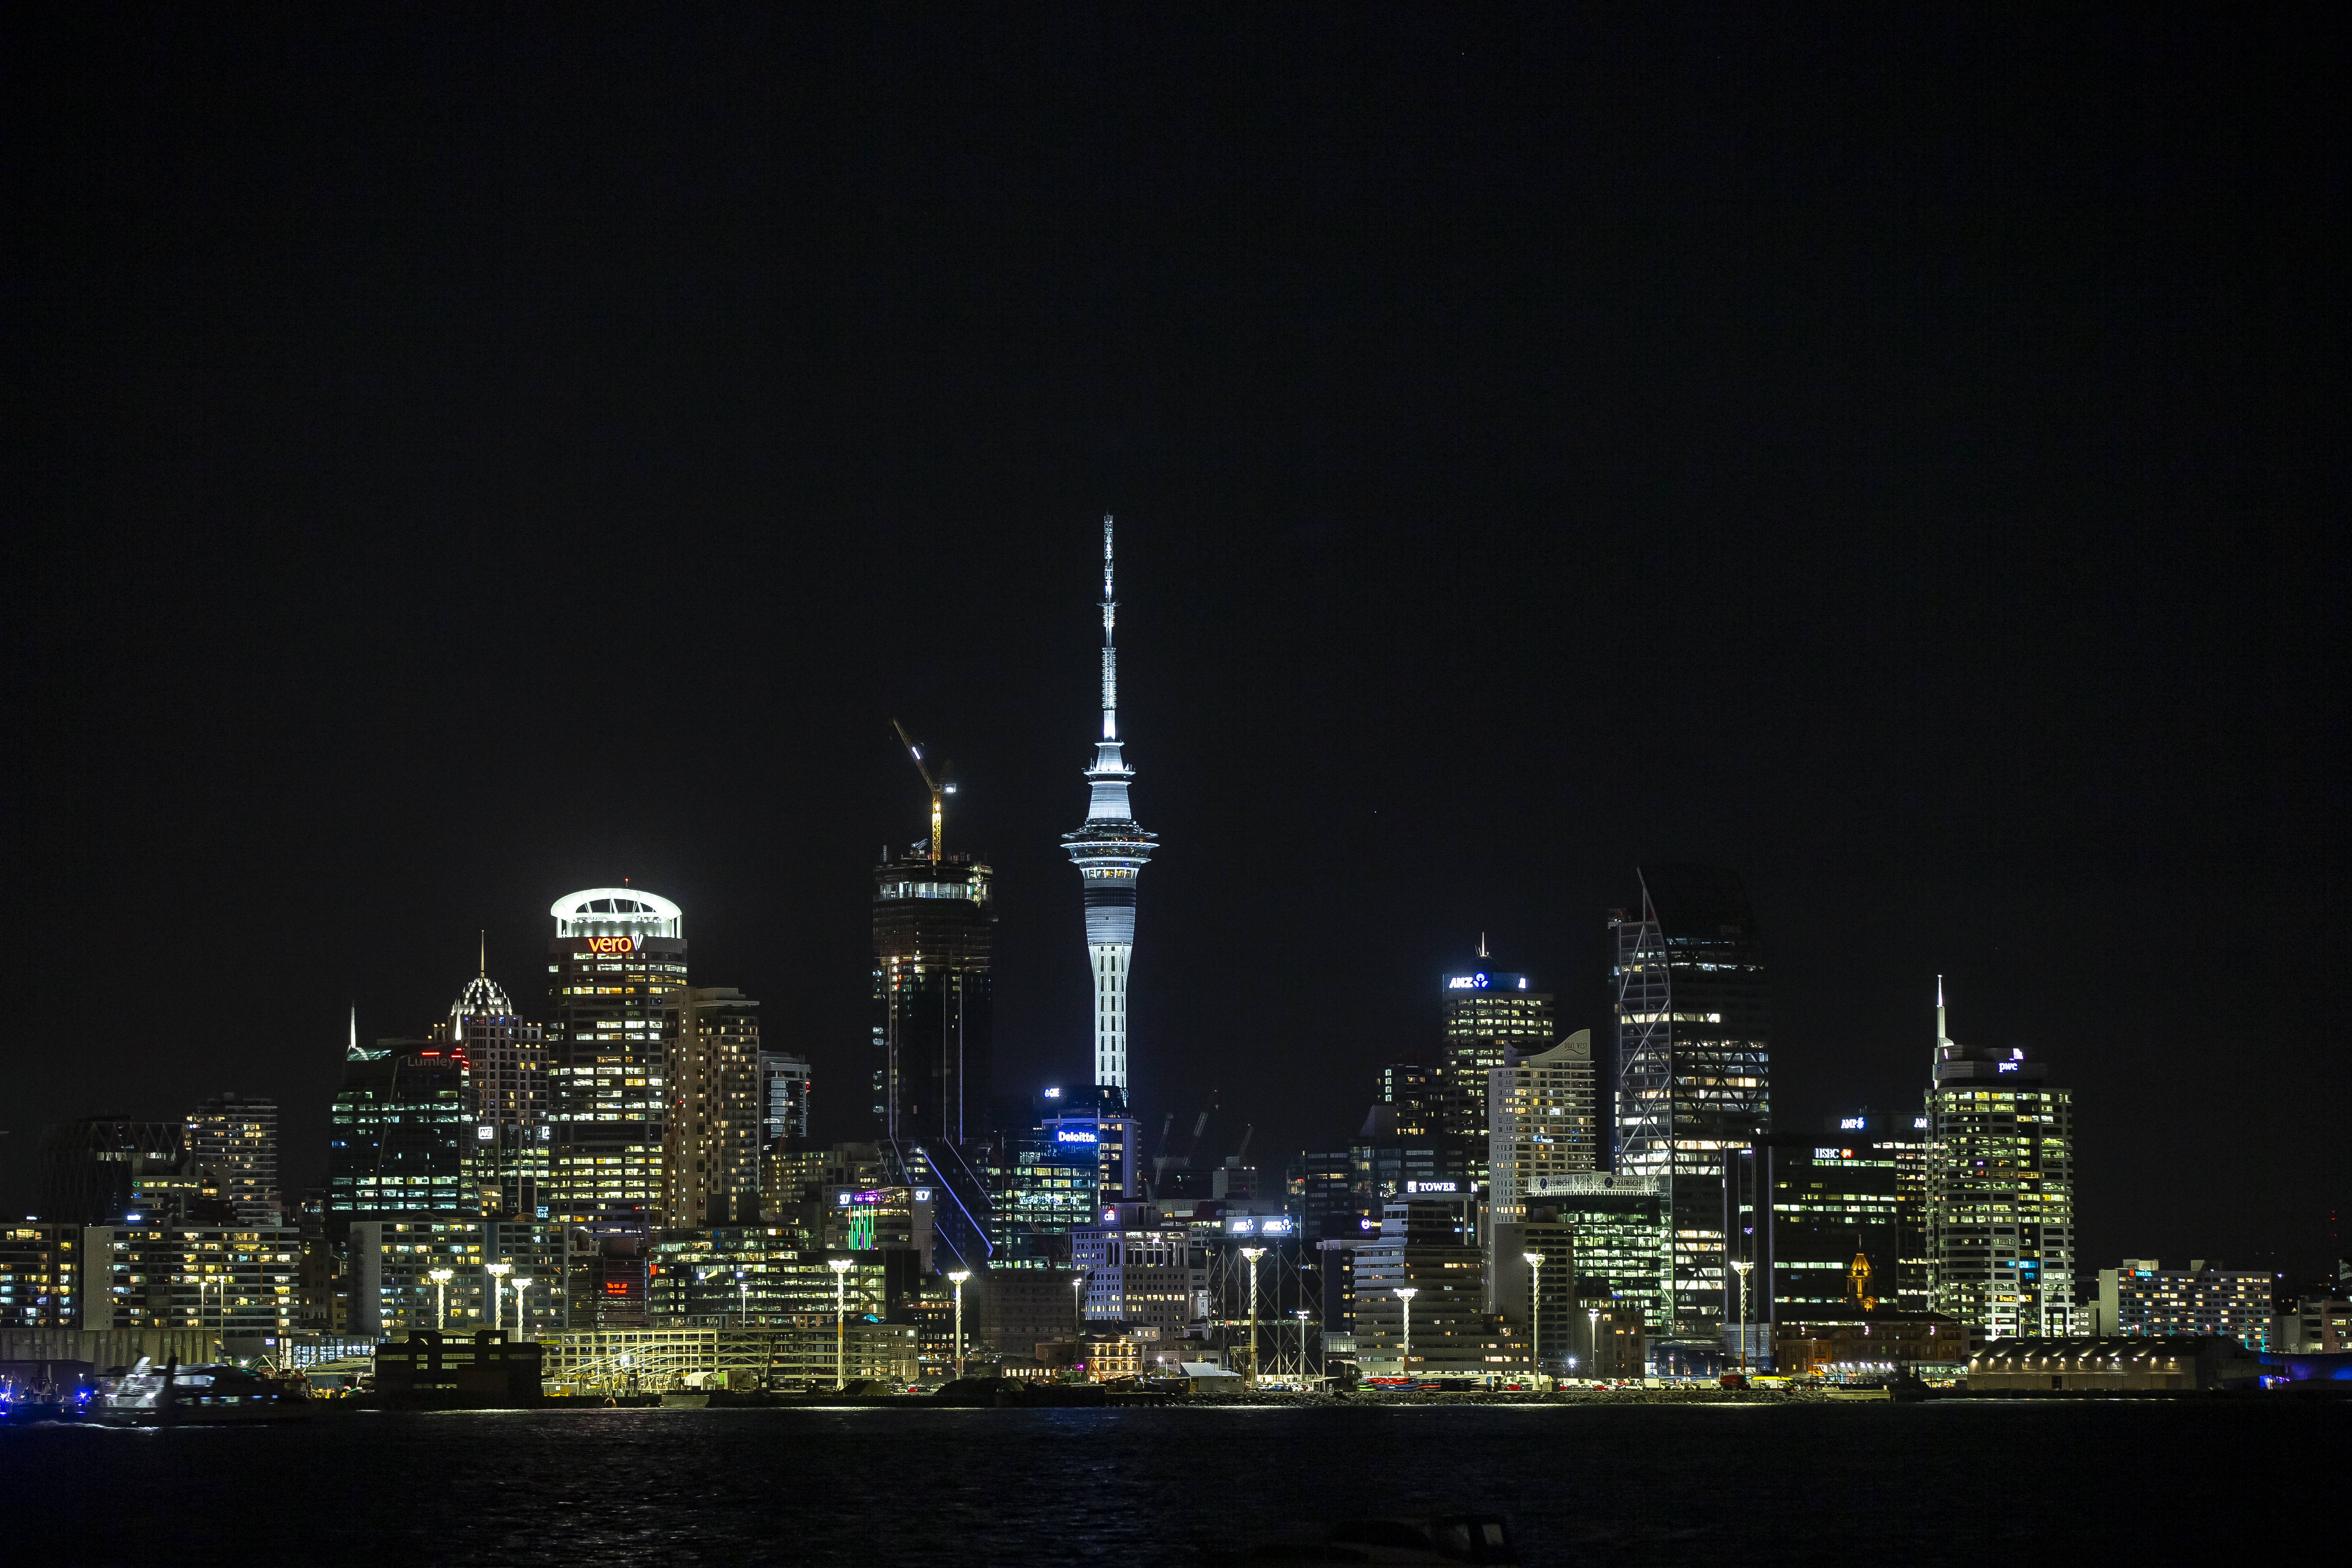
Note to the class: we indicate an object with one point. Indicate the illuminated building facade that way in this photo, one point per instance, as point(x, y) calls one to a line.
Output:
point(506, 1060)
point(401, 1135)
point(1044, 1188)
point(1418, 1095)
point(1109, 851)
point(2000, 1191)
point(1616, 1228)
point(614, 970)
point(40, 1275)
point(1902, 1139)
point(1540, 1119)
point(1819, 1223)
point(1096, 1117)
point(1139, 1271)
point(1488, 1014)
point(713, 1135)
point(785, 1086)
point(216, 1278)
point(236, 1138)
point(767, 1274)
point(393, 1260)
point(1694, 1066)
point(1429, 1246)
point(2144, 1300)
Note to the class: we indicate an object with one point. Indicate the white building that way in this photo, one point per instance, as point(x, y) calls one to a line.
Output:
point(1540, 1119)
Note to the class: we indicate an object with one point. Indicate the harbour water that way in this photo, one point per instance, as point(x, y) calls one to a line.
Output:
point(1976, 1482)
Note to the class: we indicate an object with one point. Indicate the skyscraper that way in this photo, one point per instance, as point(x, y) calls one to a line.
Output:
point(1488, 1014)
point(1540, 1119)
point(2001, 1190)
point(712, 1137)
point(1110, 852)
point(507, 1063)
point(1693, 1063)
point(399, 1133)
point(614, 970)
point(236, 1139)
point(934, 1002)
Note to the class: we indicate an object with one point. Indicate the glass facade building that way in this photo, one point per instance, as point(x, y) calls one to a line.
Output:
point(1820, 1224)
point(2000, 1191)
point(614, 970)
point(1616, 1228)
point(714, 1133)
point(934, 1005)
point(1694, 1065)
point(1487, 1015)
point(401, 1133)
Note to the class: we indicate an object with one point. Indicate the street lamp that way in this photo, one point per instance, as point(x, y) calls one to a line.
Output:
point(498, 1271)
point(1079, 1305)
point(957, 1278)
point(1743, 1265)
point(1405, 1293)
point(521, 1283)
point(1534, 1311)
point(744, 1296)
point(1302, 1314)
point(441, 1278)
point(1252, 1253)
point(1593, 1344)
point(840, 1268)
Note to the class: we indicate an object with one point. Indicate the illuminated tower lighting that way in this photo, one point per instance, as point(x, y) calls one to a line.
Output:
point(1110, 852)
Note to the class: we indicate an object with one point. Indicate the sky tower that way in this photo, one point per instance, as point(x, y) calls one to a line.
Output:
point(1110, 852)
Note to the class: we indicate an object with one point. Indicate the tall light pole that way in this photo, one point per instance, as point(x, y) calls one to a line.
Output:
point(1078, 1307)
point(498, 1271)
point(1534, 1311)
point(1302, 1314)
point(743, 1296)
point(1252, 1253)
point(840, 1268)
point(1405, 1293)
point(1743, 1266)
point(440, 1278)
point(522, 1284)
point(957, 1278)
point(1593, 1344)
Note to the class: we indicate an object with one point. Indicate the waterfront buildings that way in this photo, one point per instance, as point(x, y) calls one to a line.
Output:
point(614, 969)
point(1110, 852)
point(1514, 1285)
point(2000, 1191)
point(1615, 1227)
point(2109, 1366)
point(1431, 1248)
point(2143, 1300)
point(713, 1134)
point(1540, 1119)
point(40, 1275)
point(1694, 1065)
point(1140, 1269)
point(1849, 1347)
point(392, 1264)
point(768, 1275)
point(1487, 1013)
point(221, 1278)
point(1818, 1224)
point(236, 1138)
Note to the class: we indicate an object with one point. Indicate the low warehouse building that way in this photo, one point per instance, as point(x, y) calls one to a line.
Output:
point(2181, 1363)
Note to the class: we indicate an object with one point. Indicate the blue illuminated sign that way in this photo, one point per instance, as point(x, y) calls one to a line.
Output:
point(1067, 1136)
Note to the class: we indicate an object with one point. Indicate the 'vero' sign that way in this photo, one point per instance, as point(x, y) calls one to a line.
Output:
point(612, 945)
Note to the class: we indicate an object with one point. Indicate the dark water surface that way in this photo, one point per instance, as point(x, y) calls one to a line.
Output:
point(1859, 1485)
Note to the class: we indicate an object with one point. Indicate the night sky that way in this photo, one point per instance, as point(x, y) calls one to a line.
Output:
point(1896, 452)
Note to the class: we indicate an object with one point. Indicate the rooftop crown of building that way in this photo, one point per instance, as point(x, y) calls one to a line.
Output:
point(615, 912)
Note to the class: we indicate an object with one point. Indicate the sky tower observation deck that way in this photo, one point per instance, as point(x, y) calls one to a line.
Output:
point(1110, 852)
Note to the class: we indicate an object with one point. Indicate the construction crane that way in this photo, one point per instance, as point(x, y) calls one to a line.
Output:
point(938, 784)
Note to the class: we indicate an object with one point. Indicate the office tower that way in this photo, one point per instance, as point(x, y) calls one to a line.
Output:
point(1617, 1228)
point(934, 1010)
point(785, 1084)
point(1819, 1223)
point(1110, 852)
point(1514, 1285)
point(1541, 1120)
point(1042, 1187)
point(1096, 1117)
point(236, 1139)
point(1487, 1012)
point(2001, 1190)
point(96, 1170)
point(1694, 1065)
point(1142, 1268)
point(506, 1062)
point(400, 1134)
point(2143, 1299)
point(614, 968)
point(714, 1133)
point(1429, 1246)
point(1904, 1140)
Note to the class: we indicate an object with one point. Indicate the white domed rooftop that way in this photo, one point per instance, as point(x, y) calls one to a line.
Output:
point(615, 912)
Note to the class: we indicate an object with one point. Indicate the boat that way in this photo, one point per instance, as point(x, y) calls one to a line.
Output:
point(204, 1393)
